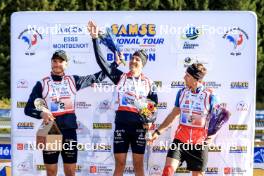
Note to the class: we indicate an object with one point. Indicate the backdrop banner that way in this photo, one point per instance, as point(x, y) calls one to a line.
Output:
point(224, 41)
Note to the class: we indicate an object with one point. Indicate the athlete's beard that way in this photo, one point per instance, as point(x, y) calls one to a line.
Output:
point(61, 73)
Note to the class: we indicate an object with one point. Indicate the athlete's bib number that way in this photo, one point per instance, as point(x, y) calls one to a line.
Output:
point(62, 105)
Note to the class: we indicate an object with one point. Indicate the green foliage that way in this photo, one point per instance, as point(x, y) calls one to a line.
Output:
point(259, 105)
point(5, 103)
point(7, 7)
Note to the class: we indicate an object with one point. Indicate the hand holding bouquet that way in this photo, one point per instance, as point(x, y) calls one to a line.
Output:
point(218, 118)
point(148, 114)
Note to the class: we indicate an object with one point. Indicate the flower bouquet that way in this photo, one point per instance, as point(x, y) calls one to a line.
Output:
point(219, 117)
point(148, 114)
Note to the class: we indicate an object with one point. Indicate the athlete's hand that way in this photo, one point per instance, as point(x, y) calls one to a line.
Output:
point(210, 140)
point(147, 126)
point(118, 57)
point(93, 29)
point(153, 138)
point(47, 117)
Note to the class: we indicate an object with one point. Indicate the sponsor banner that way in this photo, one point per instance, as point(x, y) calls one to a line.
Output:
point(171, 47)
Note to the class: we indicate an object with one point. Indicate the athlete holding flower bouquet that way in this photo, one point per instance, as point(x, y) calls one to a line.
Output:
point(148, 114)
point(132, 88)
point(200, 118)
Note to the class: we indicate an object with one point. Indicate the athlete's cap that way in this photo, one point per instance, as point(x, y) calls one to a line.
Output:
point(61, 54)
point(143, 56)
point(197, 71)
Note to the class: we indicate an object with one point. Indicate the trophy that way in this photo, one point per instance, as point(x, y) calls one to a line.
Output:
point(48, 133)
point(109, 40)
point(40, 105)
